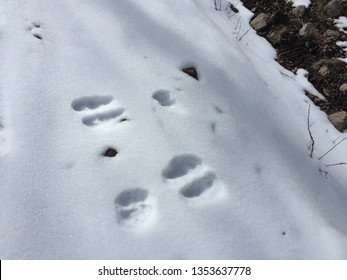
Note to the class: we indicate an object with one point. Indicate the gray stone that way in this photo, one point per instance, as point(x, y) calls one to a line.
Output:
point(275, 36)
point(339, 120)
point(307, 30)
point(299, 11)
point(332, 34)
point(260, 22)
point(334, 9)
point(343, 88)
point(324, 71)
point(295, 23)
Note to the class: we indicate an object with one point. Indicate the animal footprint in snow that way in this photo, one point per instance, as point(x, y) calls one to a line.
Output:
point(188, 169)
point(199, 185)
point(36, 30)
point(99, 110)
point(164, 98)
point(132, 207)
point(181, 165)
point(97, 119)
point(90, 102)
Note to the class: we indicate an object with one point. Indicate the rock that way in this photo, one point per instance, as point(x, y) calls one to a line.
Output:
point(339, 120)
point(343, 88)
point(191, 71)
point(110, 152)
point(295, 23)
point(307, 30)
point(299, 11)
point(260, 22)
point(333, 34)
point(334, 9)
point(324, 71)
point(275, 36)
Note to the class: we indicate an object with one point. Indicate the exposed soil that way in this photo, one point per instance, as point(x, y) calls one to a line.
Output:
point(311, 53)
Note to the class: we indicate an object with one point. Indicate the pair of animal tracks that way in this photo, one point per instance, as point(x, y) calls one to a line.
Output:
point(198, 182)
point(134, 207)
point(35, 29)
point(98, 110)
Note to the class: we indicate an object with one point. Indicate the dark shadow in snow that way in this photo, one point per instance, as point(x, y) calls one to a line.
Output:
point(131, 207)
point(90, 102)
point(131, 196)
point(102, 117)
point(181, 165)
point(199, 186)
point(164, 98)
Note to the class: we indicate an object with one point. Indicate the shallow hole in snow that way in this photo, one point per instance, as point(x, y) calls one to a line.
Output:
point(199, 185)
point(38, 36)
point(90, 102)
point(164, 98)
point(99, 118)
point(131, 196)
point(181, 165)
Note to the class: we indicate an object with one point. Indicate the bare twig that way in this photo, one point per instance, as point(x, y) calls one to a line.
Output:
point(237, 36)
point(333, 147)
point(311, 148)
point(340, 163)
point(237, 24)
point(244, 34)
point(215, 5)
point(324, 172)
point(292, 50)
point(336, 140)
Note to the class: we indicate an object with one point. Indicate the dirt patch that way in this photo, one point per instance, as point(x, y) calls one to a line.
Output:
point(314, 50)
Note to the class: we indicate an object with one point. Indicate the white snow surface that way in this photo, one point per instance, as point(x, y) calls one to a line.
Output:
point(217, 168)
point(305, 3)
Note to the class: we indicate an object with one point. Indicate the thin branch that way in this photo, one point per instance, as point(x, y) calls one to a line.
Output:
point(239, 30)
point(336, 140)
point(309, 131)
point(324, 172)
point(245, 34)
point(237, 24)
point(340, 163)
point(333, 148)
point(292, 50)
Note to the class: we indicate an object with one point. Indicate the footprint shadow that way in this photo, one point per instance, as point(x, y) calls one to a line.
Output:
point(132, 207)
point(181, 165)
point(99, 118)
point(199, 186)
point(164, 98)
point(90, 102)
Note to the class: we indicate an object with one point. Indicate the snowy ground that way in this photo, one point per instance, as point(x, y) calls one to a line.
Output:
point(212, 169)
